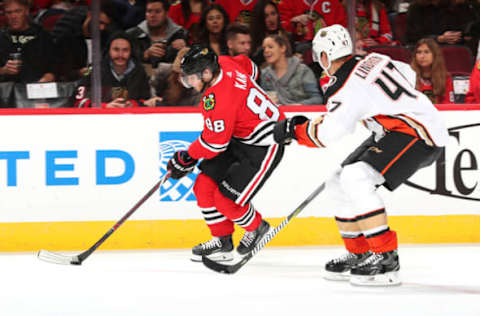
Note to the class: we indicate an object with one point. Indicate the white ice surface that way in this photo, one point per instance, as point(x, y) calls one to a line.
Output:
point(437, 280)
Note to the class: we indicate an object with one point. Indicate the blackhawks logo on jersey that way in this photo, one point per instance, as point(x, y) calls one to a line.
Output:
point(209, 102)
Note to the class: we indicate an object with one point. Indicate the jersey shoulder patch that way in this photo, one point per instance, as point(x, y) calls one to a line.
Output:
point(209, 102)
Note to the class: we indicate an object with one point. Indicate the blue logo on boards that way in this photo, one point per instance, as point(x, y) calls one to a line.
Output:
point(182, 189)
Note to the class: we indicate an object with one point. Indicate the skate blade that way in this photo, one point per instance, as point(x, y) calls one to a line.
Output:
point(226, 256)
point(336, 276)
point(387, 279)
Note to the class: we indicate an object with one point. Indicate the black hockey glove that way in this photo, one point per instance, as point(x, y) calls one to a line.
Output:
point(181, 164)
point(284, 131)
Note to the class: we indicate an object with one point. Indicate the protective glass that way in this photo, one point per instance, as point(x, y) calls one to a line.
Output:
point(189, 81)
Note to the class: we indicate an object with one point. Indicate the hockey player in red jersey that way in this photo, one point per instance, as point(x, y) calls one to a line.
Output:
point(236, 145)
point(408, 133)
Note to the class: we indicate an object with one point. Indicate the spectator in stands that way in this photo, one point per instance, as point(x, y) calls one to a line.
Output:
point(124, 80)
point(447, 21)
point(239, 41)
point(36, 6)
point(396, 6)
point(158, 37)
point(47, 17)
point(26, 50)
point(473, 93)
point(285, 79)
point(213, 29)
point(432, 76)
point(239, 11)
point(265, 21)
point(187, 13)
point(130, 12)
point(371, 24)
point(72, 38)
point(166, 83)
point(305, 18)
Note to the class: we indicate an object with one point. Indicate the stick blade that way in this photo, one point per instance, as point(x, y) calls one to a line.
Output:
point(225, 268)
point(53, 257)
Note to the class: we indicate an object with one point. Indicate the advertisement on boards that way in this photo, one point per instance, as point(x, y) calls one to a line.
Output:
point(95, 167)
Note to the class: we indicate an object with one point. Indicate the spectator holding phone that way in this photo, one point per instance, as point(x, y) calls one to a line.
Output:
point(158, 37)
point(124, 80)
point(446, 21)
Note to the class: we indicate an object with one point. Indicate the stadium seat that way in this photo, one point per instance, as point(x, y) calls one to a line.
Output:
point(400, 53)
point(457, 58)
point(399, 27)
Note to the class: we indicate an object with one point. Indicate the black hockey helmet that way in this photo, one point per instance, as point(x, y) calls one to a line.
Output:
point(199, 58)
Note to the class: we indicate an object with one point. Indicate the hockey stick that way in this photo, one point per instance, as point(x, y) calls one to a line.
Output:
point(230, 269)
point(57, 258)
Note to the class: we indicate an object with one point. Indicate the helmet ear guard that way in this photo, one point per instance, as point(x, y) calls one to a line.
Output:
point(334, 41)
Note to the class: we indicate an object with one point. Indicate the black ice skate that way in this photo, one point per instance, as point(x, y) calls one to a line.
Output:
point(380, 269)
point(217, 249)
point(251, 239)
point(339, 269)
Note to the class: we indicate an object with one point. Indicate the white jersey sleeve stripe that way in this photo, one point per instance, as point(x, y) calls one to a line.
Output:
point(216, 148)
point(312, 131)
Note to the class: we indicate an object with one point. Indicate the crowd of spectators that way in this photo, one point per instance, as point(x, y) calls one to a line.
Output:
point(142, 42)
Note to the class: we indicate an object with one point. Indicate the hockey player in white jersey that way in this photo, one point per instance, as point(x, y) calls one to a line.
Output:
point(408, 133)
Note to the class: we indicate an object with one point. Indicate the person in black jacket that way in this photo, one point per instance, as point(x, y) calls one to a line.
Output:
point(158, 37)
point(26, 50)
point(124, 80)
point(72, 37)
point(449, 22)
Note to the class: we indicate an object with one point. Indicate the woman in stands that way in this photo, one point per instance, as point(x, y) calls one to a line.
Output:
point(432, 76)
point(265, 21)
point(286, 79)
point(213, 26)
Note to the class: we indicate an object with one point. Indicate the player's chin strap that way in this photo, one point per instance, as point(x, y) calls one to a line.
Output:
point(333, 79)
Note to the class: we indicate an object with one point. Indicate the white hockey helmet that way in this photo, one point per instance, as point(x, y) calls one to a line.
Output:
point(335, 41)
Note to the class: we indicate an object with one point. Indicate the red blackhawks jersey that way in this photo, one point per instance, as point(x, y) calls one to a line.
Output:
point(238, 10)
point(332, 12)
point(176, 14)
point(234, 106)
